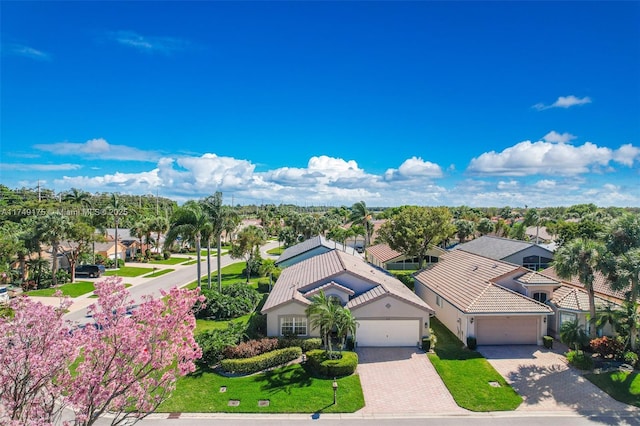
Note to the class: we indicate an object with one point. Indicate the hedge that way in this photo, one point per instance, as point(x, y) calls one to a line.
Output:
point(260, 362)
point(306, 344)
point(325, 367)
point(251, 348)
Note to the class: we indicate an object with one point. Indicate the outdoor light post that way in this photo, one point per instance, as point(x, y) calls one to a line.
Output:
point(335, 391)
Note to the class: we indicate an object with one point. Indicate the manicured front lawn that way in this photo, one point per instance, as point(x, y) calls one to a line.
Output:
point(276, 251)
point(467, 375)
point(71, 289)
point(170, 261)
point(158, 273)
point(206, 325)
point(289, 390)
point(128, 271)
point(623, 386)
point(230, 274)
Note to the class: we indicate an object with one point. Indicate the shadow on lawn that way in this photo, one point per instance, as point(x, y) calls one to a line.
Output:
point(284, 379)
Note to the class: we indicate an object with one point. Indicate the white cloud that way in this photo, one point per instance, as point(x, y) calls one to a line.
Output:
point(545, 158)
point(100, 149)
point(414, 167)
point(564, 102)
point(510, 185)
point(149, 44)
point(26, 51)
point(23, 167)
point(554, 136)
point(545, 184)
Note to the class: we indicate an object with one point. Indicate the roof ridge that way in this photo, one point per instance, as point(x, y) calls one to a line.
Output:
point(468, 308)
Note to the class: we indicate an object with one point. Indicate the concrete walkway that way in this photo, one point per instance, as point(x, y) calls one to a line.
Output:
point(402, 380)
point(547, 383)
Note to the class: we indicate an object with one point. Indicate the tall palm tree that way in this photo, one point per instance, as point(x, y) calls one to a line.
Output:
point(218, 217)
point(189, 222)
point(360, 214)
point(118, 210)
point(159, 224)
point(54, 227)
point(573, 335)
point(247, 246)
point(346, 324)
point(621, 264)
point(77, 196)
point(580, 258)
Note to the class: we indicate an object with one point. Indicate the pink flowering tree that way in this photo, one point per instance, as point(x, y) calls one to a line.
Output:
point(124, 364)
point(34, 360)
point(128, 364)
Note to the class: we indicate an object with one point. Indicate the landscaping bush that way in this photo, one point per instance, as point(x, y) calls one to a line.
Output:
point(607, 347)
point(166, 254)
point(214, 342)
point(235, 301)
point(472, 343)
point(631, 358)
point(426, 344)
point(306, 344)
point(351, 344)
point(406, 279)
point(260, 362)
point(580, 360)
point(251, 348)
point(322, 365)
point(547, 341)
point(311, 344)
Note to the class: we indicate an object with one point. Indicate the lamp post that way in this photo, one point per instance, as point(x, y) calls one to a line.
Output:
point(335, 391)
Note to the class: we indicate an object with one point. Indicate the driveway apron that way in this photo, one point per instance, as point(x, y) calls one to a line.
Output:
point(547, 383)
point(402, 380)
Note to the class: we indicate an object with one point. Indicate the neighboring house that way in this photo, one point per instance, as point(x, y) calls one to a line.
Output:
point(383, 256)
point(108, 250)
point(130, 242)
point(529, 255)
point(475, 296)
point(538, 235)
point(388, 313)
point(310, 248)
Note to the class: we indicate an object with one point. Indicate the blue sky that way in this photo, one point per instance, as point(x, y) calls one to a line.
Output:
point(429, 103)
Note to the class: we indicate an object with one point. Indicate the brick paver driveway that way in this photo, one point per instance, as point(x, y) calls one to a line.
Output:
point(547, 383)
point(402, 380)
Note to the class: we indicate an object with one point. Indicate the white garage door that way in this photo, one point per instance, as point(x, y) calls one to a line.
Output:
point(388, 332)
point(507, 330)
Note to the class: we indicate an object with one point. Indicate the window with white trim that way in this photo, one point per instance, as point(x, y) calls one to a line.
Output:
point(540, 296)
point(293, 326)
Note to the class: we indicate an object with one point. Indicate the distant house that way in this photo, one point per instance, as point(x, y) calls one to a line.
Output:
point(309, 248)
point(529, 255)
point(131, 243)
point(383, 256)
point(388, 313)
point(474, 296)
point(538, 235)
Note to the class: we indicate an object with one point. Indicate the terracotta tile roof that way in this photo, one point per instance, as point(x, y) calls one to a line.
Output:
point(536, 278)
point(600, 284)
point(574, 299)
point(494, 247)
point(467, 281)
point(310, 244)
point(323, 268)
point(383, 252)
point(369, 296)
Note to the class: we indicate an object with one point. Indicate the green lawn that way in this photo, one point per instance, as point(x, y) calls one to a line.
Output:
point(289, 390)
point(230, 274)
point(159, 273)
point(467, 375)
point(170, 261)
point(623, 386)
point(72, 289)
point(191, 262)
point(276, 251)
point(206, 325)
point(128, 271)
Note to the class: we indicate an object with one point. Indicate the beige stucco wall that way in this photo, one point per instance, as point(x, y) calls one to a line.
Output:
point(447, 314)
point(289, 309)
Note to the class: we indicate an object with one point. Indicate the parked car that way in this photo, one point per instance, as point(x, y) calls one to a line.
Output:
point(91, 271)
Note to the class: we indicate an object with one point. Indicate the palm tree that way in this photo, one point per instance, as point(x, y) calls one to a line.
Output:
point(218, 217)
point(77, 196)
point(609, 315)
point(346, 324)
point(247, 246)
point(621, 264)
point(580, 258)
point(54, 227)
point(323, 313)
point(141, 229)
point(189, 222)
point(572, 334)
point(269, 268)
point(159, 224)
point(361, 215)
point(117, 210)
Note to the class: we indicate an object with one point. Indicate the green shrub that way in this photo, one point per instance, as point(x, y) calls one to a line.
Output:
point(631, 358)
point(607, 347)
point(351, 344)
point(407, 280)
point(306, 344)
point(472, 343)
point(260, 362)
point(320, 363)
point(214, 342)
point(166, 254)
point(426, 344)
point(580, 360)
point(311, 344)
point(547, 341)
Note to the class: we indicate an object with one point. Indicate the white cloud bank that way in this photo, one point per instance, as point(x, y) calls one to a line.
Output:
point(99, 149)
point(564, 102)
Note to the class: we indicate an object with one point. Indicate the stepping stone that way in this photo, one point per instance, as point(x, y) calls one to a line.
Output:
point(263, 403)
point(233, 403)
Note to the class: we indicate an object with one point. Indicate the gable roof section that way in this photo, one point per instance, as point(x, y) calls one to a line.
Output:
point(325, 266)
point(600, 284)
point(383, 252)
point(327, 286)
point(574, 299)
point(494, 247)
point(308, 245)
point(466, 280)
point(534, 278)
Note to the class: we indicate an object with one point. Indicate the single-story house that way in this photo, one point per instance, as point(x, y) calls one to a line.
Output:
point(383, 256)
point(475, 296)
point(310, 248)
point(529, 255)
point(388, 313)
